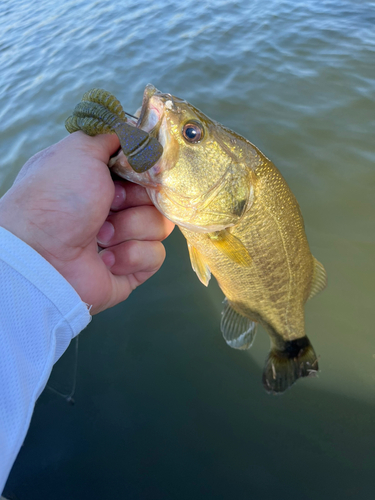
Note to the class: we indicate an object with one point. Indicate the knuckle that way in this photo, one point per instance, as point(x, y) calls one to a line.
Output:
point(133, 254)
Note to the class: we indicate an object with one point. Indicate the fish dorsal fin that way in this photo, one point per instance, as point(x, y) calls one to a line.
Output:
point(231, 246)
point(198, 265)
point(319, 281)
point(238, 331)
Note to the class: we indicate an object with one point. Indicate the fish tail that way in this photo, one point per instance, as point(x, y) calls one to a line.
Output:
point(287, 363)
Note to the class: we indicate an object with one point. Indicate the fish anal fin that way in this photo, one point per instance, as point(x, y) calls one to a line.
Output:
point(319, 281)
point(238, 331)
point(199, 266)
point(231, 246)
point(284, 367)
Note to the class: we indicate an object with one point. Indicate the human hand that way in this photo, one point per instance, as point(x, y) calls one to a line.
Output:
point(60, 205)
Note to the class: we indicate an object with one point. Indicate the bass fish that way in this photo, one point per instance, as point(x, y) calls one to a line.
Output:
point(242, 223)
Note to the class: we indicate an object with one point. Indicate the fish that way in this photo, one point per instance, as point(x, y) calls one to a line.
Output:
point(242, 224)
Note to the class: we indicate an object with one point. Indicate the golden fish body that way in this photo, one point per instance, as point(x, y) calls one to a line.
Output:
point(273, 289)
point(242, 223)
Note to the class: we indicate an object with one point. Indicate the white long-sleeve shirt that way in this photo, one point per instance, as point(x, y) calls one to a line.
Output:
point(40, 313)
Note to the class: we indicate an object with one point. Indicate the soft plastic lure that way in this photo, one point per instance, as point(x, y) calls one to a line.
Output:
point(99, 112)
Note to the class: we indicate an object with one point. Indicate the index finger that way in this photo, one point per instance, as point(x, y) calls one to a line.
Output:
point(128, 194)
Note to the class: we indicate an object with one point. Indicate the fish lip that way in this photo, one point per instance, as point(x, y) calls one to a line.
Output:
point(148, 93)
point(155, 106)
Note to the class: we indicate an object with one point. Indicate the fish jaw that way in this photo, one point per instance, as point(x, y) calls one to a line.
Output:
point(184, 217)
point(120, 166)
point(159, 195)
point(153, 105)
point(150, 117)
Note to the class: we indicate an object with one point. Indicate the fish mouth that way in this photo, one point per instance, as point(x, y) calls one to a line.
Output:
point(152, 111)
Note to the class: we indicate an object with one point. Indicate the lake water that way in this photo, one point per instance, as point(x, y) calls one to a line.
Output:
point(164, 409)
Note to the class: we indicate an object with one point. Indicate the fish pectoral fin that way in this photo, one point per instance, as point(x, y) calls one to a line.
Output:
point(238, 331)
point(319, 281)
point(198, 265)
point(287, 364)
point(232, 247)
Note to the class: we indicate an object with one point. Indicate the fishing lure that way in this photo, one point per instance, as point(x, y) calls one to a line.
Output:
point(99, 112)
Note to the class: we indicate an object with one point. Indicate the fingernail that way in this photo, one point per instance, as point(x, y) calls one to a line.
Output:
point(105, 233)
point(119, 198)
point(108, 258)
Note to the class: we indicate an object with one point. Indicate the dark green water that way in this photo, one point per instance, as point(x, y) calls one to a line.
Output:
point(164, 409)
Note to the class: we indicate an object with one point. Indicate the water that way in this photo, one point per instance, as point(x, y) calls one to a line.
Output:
point(165, 410)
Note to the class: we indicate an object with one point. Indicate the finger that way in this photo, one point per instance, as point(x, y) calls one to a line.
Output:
point(107, 144)
point(100, 146)
point(134, 257)
point(122, 286)
point(138, 223)
point(128, 194)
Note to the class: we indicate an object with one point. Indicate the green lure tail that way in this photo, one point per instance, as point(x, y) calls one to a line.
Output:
point(100, 112)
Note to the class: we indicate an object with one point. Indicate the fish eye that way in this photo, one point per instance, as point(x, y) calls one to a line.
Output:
point(193, 132)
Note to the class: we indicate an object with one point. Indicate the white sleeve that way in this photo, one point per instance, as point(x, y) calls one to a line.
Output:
point(40, 313)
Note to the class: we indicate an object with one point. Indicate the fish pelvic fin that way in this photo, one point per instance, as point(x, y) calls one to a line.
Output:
point(284, 367)
point(231, 246)
point(238, 331)
point(199, 266)
point(319, 281)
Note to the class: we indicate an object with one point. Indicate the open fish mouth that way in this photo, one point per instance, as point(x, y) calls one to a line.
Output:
point(152, 110)
point(150, 114)
point(149, 91)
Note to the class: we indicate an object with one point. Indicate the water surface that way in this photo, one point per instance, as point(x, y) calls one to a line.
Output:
point(165, 410)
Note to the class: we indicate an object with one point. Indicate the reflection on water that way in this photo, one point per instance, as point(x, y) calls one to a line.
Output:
point(164, 408)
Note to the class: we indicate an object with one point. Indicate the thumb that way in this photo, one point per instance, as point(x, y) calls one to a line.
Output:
point(101, 146)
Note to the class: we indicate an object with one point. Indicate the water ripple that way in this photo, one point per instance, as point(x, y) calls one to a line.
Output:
point(296, 78)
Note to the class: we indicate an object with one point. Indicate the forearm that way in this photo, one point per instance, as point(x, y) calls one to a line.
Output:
point(39, 315)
